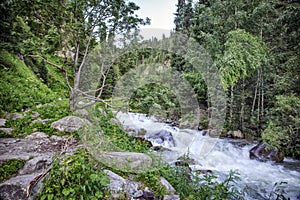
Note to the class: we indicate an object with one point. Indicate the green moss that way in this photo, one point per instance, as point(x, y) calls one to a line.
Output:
point(10, 168)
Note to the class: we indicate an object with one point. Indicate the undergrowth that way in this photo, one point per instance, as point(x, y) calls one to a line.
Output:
point(78, 177)
point(30, 123)
point(20, 88)
point(10, 168)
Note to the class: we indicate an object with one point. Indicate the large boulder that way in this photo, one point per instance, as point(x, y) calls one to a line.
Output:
point(211, 132)
point(69, 124)
point(265, 152)
point(126, 187)
point(162, 138)
point(185, 124)
point(119, 185)
point(37, 151)
point(15, 188)
point(126, 161)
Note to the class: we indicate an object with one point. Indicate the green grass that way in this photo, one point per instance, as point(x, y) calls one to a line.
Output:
point(20, 88)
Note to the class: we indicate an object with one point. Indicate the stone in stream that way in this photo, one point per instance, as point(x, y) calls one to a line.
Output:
point(265, 152)
point(162, 138)
point(235, 134)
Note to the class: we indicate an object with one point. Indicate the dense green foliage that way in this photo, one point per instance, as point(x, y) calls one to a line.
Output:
point(10, 168)
point(254, 46)
point(78, 177)
point(19, 86)
point(155, 99)
point(285, 122)
point(115, 138)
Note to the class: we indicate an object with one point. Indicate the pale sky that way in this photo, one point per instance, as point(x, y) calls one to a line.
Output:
point(161, 12)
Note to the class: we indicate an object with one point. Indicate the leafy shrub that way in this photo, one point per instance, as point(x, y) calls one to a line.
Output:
point(151, 179)
point(76, 178)
point(155, 99)
point(195, 186)
point(283, 129)
point(114, 137)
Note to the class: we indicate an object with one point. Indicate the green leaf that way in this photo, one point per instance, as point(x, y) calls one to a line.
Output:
point(66, 191)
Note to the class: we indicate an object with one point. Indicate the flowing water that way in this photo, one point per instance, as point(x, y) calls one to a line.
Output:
point(223, 155)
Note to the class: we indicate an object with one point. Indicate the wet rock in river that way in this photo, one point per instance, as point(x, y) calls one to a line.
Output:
point(162, 138)
point(266, 152)
point(235, 134)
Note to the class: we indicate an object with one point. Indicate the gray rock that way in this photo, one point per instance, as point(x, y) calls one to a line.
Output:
point(131, 132)
point(37, 164)
point(57, 138)
point(7, 130)
point(188, 124)
point(148, 195)
point(211, 132)
point(126, 161)
point(37, 135)
point(264, 152)
point(115, 121)
point(142, 132)
point(15, 188)
point(13, 116)
point(37, 150)
point(2, 122)
point(119, 185)
point(35, 115)
point(39, 120)
point(138, 194)
point(162, 138)
point(235, 134)
point(167, 185)
point(171, 197)
point(82, 113)
point(69, 124)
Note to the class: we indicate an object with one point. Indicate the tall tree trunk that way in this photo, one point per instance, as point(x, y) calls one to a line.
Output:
point(258, 102)
point(242, 112)
point(231, 107)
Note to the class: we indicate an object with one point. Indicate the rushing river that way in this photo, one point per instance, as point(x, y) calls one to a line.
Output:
point(223, 155)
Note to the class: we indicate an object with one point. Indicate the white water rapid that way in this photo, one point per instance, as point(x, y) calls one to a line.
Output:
point(223, 155)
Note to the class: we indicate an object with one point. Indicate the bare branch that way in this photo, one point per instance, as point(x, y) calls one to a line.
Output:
point(61, 68)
